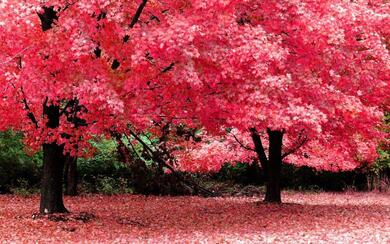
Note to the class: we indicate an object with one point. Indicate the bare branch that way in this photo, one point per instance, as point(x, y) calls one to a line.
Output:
point(138, 13)
point(30, 114)
point(68, 4)
point(17, 55)
point(242, 144)
point(168, 68)
point(133, 148)
point(159, 160)
point(301, 140)
point(259, 150)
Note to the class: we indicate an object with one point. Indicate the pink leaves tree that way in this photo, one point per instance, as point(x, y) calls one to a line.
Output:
point(306, 82)
point(55, 89)
point(69, 69)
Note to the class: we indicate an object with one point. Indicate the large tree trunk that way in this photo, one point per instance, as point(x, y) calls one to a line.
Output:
point(53, 168)
point(70, 176)
point(273, 190)
point(51, 185)
point(271, 166)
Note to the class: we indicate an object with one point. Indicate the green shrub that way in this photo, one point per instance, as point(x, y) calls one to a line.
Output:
point(103, 173)
point(241, 173)
point(17, 169)
point(107, 186)
point(23, 188)
point(378, 175)
point(295, 178)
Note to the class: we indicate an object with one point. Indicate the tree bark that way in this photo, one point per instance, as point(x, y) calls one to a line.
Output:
point(260, 152)
point(53, 168)
point(273, 190)
point(51, 185)
point(271, 166)
point(70, 176)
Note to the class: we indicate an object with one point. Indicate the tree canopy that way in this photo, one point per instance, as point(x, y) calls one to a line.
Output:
point(316, 71)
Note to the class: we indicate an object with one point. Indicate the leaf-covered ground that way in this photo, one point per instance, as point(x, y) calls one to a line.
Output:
point(305, 217)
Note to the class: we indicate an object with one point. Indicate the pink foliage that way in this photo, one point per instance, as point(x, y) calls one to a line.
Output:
point(315, 67)
point(305, 217)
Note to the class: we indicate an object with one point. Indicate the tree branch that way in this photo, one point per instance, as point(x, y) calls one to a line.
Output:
point(17, 55)
point(168, 68)
point(259, 149)
point(138, 13)
point(133, 148)
point(30, 114)
point(301, 140)
point(47, 18)
point(68, 4)
point(67, 106)
point(242, 144)
point(156, 158)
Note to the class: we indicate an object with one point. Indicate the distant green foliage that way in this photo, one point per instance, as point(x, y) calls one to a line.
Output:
point(382, 164)
point(296, 178)
point(306, 178)
point(109, 186)
point(241, 173)
point(17, 169)
point(103, 172)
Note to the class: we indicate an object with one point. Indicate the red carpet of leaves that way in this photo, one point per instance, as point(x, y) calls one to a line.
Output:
point(305, 217)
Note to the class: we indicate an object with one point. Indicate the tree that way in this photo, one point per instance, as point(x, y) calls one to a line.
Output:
point(69, 68)
point(70, 175)
point(55, 90)
point(305, 82)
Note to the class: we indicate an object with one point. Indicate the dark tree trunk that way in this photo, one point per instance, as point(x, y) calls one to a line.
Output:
point(53, 168)
point(70, 176)
point(273, 190)
point(51, 185)
point(271, 166)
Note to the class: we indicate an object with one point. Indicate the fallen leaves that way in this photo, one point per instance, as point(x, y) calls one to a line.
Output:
point(304, 217)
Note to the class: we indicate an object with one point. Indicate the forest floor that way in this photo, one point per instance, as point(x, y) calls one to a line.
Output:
point(303, 218)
